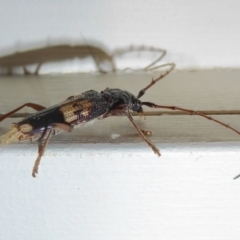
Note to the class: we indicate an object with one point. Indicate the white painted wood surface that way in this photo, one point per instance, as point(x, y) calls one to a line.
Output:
point(103, 182)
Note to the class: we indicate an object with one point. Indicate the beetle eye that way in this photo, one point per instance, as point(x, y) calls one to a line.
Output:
point(137, 106)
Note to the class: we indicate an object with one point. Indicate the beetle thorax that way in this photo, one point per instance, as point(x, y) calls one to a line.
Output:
point(118, 97)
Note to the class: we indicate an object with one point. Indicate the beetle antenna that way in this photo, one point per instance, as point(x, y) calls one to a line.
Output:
point(171, 65)
point(191, 112)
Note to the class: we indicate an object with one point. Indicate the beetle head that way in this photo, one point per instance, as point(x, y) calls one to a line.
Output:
point(137, 106)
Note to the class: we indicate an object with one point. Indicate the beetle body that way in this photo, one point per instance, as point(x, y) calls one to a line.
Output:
point(75, 111)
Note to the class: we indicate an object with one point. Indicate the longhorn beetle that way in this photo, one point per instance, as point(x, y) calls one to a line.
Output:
point(80, 109)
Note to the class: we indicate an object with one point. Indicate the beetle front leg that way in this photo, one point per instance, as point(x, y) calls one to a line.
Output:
point(149, 143)
point(121, 111)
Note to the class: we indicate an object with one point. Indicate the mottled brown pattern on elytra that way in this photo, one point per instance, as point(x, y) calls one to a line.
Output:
point(74, 110)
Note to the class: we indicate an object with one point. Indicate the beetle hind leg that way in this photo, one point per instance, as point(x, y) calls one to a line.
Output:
point(41, 149)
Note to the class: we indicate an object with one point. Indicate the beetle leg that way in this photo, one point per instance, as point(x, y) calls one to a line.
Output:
point(120, 111)
point(35, 106)
point(42, 145)
point(41, 149)
point(149, 143)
